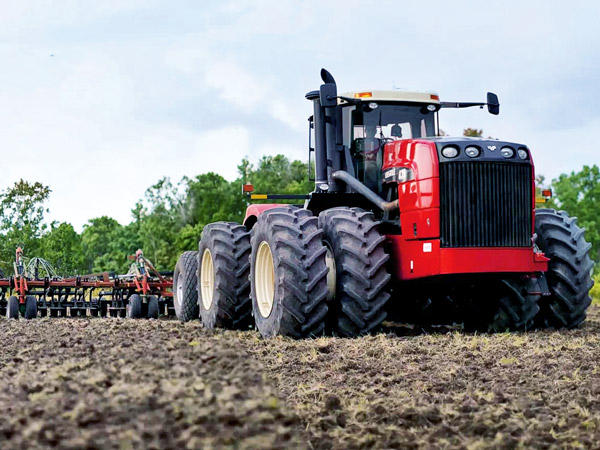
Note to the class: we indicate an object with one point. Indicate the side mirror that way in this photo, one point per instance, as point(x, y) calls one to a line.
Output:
point(328, 95)
point(492, 103)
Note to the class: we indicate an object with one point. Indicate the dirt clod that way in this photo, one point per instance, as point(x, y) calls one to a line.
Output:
point(114, 383)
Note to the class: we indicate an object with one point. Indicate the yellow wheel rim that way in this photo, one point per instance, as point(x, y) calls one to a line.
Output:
point(331, 273)
point(207, 279)
point(264, 279)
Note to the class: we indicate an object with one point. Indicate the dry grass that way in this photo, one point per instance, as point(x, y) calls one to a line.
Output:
point(108, 383)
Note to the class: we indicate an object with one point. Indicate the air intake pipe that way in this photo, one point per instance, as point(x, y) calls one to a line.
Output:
point(320, 141)
point(363, 190)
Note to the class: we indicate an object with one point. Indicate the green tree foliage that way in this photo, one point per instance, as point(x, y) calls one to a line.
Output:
point(472, 132)
point(61, 246)
point(101, 244)
point(579, 194)
point(211, 198)
point(21, 220)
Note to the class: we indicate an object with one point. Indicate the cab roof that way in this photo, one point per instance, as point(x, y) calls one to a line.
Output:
point(395, 96)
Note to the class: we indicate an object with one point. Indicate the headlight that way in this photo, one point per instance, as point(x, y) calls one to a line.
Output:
point(450, 151)
point(522, 153)
point(472, 152)
point(507, 152)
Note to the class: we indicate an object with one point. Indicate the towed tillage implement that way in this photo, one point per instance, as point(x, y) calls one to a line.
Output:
point(35, 290)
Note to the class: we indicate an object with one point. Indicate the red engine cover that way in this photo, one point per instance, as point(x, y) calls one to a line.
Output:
point(417, 252)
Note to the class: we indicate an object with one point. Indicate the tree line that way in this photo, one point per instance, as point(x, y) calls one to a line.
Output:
point(165, 222)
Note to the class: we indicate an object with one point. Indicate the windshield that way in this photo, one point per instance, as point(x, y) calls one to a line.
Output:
point(389, 120)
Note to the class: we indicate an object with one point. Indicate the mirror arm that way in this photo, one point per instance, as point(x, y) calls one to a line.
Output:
point(460, 104)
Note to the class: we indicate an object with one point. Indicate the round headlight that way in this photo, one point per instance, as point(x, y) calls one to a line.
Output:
point(373, 105)
point(450, 152)
point(472, 152)
point(507, 152)
point(522, 153)
point(431, 108)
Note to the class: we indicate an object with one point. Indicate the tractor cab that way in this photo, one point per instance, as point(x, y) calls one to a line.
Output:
point(370, 120)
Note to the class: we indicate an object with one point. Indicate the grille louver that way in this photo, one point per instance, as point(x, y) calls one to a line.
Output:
point(486, 204)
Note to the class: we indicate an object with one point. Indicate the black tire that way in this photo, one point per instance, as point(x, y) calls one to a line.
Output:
point(361, 278)
point(185, 287)
point(569, 270)
point(509, 304)
point(12, 308)
point(103, 308)
point(299, 274)
point(134, 307)
point(31, 307)
point(228, 305)
point(152, 307)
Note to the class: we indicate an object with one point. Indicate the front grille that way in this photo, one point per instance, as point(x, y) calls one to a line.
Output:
point(485, 204)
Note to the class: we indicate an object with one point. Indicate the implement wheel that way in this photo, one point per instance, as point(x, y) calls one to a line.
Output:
point(12, 308)
point(134, 307)
point(358, 276)
point(185, 287)
point(288, 274)
point(223, 269)
point(31, 308)
point(569, 269)
point(152, 307)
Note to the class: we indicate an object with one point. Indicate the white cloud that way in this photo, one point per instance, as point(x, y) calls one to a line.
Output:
point(236, 85)
point(125, 99)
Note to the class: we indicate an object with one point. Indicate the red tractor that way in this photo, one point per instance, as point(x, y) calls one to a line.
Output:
point(403, 225)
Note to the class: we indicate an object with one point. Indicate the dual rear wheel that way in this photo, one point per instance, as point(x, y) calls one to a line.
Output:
point(296, 274)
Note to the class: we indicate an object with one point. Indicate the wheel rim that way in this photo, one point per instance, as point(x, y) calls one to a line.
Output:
point(264, 279)
point(207, 279)
point(331, 273)
point(179, 289)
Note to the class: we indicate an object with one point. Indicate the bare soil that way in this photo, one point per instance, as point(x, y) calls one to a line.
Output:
point(117, 383)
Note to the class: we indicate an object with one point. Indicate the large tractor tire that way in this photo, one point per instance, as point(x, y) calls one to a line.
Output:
point(288, 274)
point(223, 269)
point(12, 308)
point(358, 276)
point(134, 307)
point(185, 286)
point(569, 270)
point(31, 307)
point(509, 304)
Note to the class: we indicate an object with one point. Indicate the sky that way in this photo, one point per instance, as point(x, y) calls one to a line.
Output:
point(100, 100)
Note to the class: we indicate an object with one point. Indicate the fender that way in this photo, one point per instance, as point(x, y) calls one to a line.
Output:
point(253, 211)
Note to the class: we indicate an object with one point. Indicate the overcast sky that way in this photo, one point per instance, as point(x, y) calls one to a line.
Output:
point(100, 99)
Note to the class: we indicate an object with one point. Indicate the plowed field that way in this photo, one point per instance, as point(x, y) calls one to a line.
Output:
point(116, 383)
